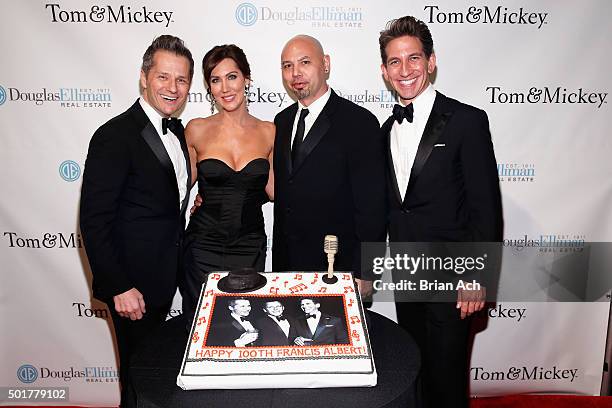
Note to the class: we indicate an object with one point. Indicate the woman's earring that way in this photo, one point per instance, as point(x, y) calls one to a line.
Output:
point(212, 103)
point(247, 89)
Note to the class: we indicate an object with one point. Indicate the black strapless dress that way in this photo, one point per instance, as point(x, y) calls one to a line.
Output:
point(227, 230)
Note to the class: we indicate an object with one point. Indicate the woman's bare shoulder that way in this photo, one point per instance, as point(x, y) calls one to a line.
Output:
point(266, 129)
point(198, 127)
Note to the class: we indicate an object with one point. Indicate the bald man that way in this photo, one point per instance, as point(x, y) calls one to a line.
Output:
point(329, 170)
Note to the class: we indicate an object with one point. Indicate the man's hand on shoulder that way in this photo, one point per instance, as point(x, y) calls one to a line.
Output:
point(130, 304)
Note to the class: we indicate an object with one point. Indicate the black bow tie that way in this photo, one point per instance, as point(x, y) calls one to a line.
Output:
point(243, 319)
point(174, 124)
point(311, 316)
point(400, 112)
point(281, 318)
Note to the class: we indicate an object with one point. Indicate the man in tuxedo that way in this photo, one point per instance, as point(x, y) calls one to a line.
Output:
point(235, 330)
point(315, 328)
point(328, 164)
point(133, 200)
point(443, 187)
point(275, 326)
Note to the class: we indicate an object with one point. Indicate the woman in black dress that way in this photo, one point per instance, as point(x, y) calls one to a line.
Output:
point(231, 159)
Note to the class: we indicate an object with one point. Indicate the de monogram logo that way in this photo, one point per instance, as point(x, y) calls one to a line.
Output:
point(246, 14)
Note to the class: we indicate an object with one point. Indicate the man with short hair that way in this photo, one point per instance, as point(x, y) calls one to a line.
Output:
point(133, 201)
point(328, 167)
point(314, 327)
point(275, 326)
point(443, 187)
point(235, 330)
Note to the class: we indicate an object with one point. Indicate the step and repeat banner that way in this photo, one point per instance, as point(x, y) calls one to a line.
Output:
point(540, 69)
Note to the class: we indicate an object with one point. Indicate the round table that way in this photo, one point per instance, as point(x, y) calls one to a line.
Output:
point(156, 366)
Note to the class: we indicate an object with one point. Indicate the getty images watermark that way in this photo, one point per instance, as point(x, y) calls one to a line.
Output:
point(437, 271)
point(417, 272)
point(422, 264)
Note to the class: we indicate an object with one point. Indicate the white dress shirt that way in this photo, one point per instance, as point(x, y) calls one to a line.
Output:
point(284, 324)
point(313, 323)
point(314, 110)
point(244, 323)
point(405, 137)
point(173, 148)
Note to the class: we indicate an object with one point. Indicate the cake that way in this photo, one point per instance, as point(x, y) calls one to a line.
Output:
point(295, 331)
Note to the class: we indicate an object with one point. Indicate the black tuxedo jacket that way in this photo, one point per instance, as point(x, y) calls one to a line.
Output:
point(271, 334)
point(336, 186)
point(130, 217)
point(453, 191)
point(330, 330)
point(224, 333)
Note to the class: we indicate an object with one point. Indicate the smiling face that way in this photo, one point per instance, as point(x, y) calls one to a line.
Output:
point(241, 307)
point(305, 69)
point(166, 85)
point(407, 68)
point(274, 308)
point(227, 84)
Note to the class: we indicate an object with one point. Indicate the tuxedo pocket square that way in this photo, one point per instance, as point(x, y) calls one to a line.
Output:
point(440, 145)
point(329, 325)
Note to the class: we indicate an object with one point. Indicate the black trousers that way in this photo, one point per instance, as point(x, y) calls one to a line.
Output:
point(129, 334)
point(442, 337)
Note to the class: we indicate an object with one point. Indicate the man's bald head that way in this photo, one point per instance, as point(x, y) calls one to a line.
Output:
point(311, 41)
point(305, 68)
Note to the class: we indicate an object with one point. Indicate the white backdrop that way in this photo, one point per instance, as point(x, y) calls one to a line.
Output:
point(540, 69)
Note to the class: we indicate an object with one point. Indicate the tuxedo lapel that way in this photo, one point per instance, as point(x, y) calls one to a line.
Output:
point(312, 139)
point(150, 136)
point(305, 327)
point(386, 130)
point(237, 325)
point(277, 326)
point(321, 326)
point(317, 131)
point(285, 130)
point(433, 129)
point(181, 138)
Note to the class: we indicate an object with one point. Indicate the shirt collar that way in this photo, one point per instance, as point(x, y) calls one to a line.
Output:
point(154, 117)
point(239, 318)
point(423, 103)
point(317, 106)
